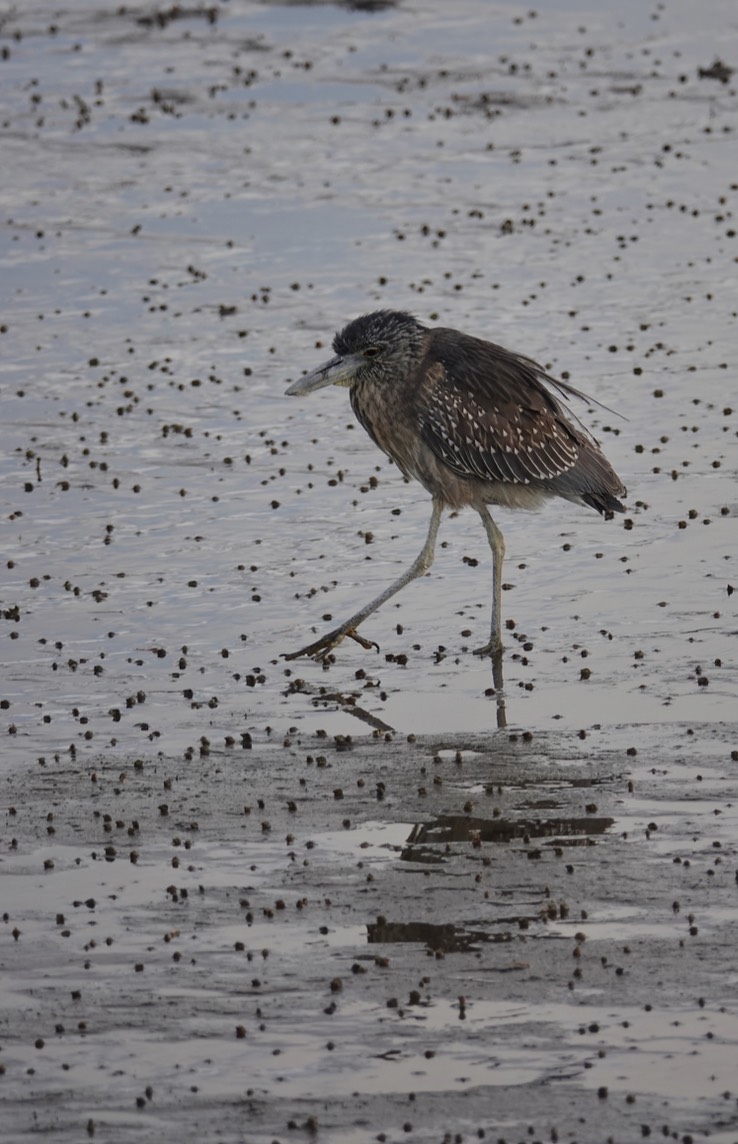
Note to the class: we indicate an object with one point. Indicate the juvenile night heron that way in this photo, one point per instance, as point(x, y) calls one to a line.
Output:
point(476, 424)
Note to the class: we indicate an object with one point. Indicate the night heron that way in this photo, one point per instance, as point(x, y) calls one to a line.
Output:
point(476, 424)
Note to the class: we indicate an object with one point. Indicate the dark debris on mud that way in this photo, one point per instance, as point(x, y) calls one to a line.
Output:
point(226, 913)
point(436, 926)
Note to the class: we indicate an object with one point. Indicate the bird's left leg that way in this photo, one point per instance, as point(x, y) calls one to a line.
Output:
point(497, 546)
point(419, 567)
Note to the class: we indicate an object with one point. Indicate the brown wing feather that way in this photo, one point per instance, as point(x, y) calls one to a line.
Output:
point(487, 413)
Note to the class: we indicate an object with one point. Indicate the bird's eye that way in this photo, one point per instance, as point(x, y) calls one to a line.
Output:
point(372, 351)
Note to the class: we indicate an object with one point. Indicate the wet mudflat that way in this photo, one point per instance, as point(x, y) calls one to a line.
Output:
point(518, 936)
point(245, 899)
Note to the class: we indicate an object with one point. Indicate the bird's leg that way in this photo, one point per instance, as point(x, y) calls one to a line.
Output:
point(497, 546)
point(420, 565)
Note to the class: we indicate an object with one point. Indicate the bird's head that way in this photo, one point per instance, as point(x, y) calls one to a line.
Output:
point(374, 348)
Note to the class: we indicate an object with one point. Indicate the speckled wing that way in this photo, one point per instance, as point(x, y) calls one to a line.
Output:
point(491, 417)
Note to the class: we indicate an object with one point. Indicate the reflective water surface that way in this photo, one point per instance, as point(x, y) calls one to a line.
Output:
point(398, 896)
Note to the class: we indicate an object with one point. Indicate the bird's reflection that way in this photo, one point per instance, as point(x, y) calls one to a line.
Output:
point(499, 687)
point(347, 701)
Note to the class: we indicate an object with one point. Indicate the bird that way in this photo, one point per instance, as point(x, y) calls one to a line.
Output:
point(476, 424)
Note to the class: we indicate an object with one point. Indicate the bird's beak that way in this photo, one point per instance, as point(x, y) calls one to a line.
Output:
point(337, 371)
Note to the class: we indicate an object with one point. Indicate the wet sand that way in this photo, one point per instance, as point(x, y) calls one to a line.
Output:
point(468, 935)
point(252, 900)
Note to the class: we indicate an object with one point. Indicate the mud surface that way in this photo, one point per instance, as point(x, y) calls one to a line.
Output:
point(247, 900)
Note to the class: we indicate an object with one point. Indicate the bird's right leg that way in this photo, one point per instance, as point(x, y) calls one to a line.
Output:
point(419, 567)
point(497, 547)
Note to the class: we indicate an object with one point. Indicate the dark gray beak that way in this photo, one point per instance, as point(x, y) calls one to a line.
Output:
point(337, 371)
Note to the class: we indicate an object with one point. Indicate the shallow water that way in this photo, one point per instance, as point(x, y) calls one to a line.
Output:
point(193, 200)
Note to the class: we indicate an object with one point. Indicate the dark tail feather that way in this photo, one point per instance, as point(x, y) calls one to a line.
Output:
point(604, 502)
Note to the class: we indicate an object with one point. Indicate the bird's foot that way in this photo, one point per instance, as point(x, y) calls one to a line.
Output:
point(321, 649)
point(365, 643)
point(493, 649)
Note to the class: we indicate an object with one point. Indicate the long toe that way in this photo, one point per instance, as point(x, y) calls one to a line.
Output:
point(365, 643)
point(318, 650)
point(491, 649)
point(322, 648)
